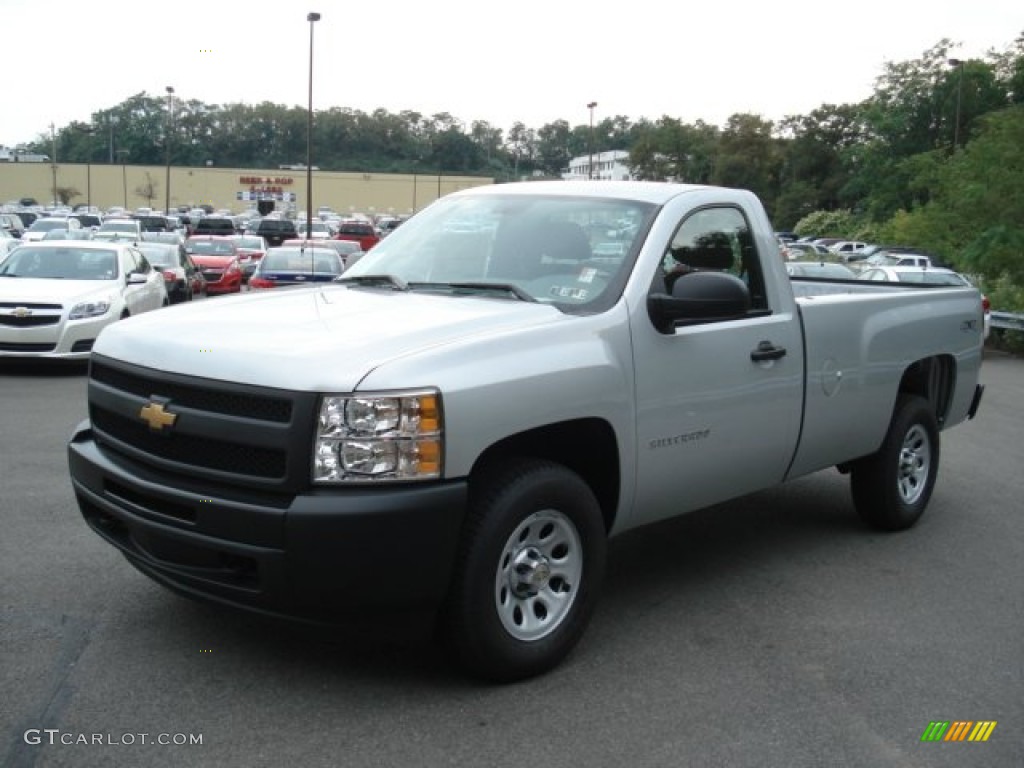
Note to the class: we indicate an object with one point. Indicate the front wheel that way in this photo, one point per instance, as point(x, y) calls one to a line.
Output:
point(530, 567)
point(891, 488)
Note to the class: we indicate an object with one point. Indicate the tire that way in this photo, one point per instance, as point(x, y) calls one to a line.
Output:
point(529, 571)
point(891, 488)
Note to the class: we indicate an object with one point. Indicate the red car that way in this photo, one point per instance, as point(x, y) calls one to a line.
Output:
point(217, 258)
point(361, 232)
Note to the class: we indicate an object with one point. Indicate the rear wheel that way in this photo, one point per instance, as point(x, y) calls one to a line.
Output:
point(529, 571)
point(891, 488)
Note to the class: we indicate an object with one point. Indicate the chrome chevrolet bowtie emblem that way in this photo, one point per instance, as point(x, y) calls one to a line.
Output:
point(21, 311)
point(157, 418)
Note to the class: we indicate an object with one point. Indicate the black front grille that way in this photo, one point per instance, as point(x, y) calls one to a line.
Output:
point(6, 346)
point(213, 277)
point(83, 345)
point(201, 398)
point(220, 455)
point(29, 321)
point(222, 432)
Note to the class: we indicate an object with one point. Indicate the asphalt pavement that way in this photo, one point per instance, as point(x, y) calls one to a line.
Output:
point(774, 630)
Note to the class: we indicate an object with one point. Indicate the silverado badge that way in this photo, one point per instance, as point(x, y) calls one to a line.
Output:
point(157, 418)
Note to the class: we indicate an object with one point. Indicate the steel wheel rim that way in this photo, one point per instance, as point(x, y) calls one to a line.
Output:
point(539, 575)
point(915, 461)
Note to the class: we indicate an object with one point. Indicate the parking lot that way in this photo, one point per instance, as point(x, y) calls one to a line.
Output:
point(770, 631)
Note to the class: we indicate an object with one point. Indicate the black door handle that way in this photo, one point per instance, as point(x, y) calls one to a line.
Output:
point(767, 351)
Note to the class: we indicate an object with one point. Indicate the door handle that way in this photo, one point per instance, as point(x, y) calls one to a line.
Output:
point(767, 351)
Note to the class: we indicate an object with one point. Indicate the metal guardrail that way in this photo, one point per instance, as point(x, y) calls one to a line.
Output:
point(1008, 320)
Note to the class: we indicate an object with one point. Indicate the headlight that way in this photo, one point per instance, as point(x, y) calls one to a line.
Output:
point(378, 437)
point(89, 309)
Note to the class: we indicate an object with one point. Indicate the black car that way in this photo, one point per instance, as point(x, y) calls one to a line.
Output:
point(275, 231)
point(179, 271)
point(215, 225)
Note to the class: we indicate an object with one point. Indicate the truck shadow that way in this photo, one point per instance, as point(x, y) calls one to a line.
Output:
point(652, 570)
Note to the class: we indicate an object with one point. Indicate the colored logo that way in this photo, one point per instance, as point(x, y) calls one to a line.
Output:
point(958, 730)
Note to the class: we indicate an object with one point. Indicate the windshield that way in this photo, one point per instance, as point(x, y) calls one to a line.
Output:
point(573, 252)
point(301, 260)
point(209, 248)
point(45, 225)
point(60, 263)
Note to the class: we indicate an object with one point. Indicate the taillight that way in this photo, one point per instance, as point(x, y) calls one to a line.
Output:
point(986, 306)
point(261, 282)
point(168, 275)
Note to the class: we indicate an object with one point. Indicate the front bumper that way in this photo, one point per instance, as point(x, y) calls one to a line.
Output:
point(64, 340)
point(339, 557)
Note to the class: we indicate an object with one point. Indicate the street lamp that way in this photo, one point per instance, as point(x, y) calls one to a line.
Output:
point(959, 64)
point(53, 163)
point(123, 154)
point(590, 168)
point(312, 18)
point(167, 150)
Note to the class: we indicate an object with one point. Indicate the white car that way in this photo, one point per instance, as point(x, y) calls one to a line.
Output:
point(40, 227)
point(56, 297)
point(927, 276)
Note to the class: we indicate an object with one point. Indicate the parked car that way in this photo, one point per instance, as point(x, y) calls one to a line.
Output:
point(217, 257)
point(361, 232)
point(8, 243)
point(130, 228)
point(177, 267)
point(215, 225)
point(826, 270)
point(275, 231)
point(319, 230)
point(296, 265)
point(349, 250)
point(251, 249)
point(848, 246)
point(13, 224)
point(928, 276)
point(889, 259)
point(67, 292)
point(41, 226)
point(152, 222)
point(793, 250)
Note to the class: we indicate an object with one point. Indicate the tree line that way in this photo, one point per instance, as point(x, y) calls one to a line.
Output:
point(934, 157)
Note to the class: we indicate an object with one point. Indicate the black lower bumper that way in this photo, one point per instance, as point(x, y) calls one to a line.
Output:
point(339, 557)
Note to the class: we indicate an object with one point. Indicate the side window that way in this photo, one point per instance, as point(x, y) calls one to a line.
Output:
point(716, 239)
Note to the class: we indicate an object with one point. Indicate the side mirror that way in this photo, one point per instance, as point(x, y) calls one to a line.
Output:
point(699, 297)
point(135, 278)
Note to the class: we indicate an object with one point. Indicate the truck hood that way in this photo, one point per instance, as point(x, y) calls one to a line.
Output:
point(309, 339)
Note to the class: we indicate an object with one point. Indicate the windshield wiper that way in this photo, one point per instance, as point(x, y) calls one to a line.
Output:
point(467, 289)
point(389, 280)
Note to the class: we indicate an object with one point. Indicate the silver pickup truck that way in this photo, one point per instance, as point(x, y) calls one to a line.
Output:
point(454, 430)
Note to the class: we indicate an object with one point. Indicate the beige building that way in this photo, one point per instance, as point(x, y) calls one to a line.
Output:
point(132, 186)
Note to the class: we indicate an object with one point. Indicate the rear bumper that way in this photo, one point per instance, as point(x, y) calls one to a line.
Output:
point(339, 557)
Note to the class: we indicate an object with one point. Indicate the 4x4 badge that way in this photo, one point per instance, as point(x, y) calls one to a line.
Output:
point(157, 418)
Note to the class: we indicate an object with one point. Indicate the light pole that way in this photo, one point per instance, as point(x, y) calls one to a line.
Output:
point(959, 64)
point(312, 18)
point(590, 168)
point(123, 154)
point(167, 151)
point(53, 163)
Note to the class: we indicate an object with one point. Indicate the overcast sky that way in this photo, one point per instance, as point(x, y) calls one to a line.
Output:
point(533, 61)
